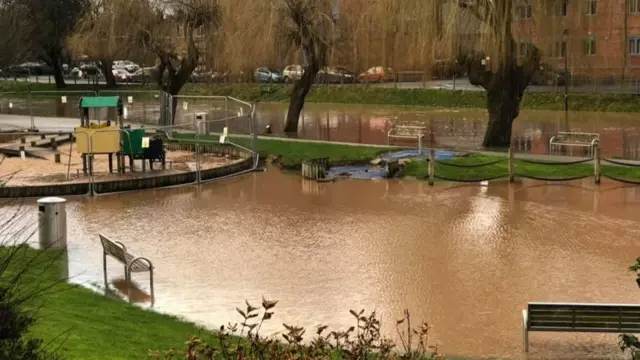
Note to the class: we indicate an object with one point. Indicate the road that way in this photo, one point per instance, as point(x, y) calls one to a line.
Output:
point(445, 84)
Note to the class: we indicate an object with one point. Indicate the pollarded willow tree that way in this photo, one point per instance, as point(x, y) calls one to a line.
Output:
point(264, 32)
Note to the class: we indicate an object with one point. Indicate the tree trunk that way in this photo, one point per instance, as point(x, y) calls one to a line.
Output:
point(172, 86)
point(57, 72)
point(108, 73)
point(503, 104)
point(298, 95)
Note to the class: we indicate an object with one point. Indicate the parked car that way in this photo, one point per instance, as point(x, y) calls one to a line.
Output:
point(377, 74)
point(128, 65)
point(264, 74)
point(293, 73)
point(121, 75)
point(335, 75)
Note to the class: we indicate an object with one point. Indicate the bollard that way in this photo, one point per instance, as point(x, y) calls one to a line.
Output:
point(511, 174)
point(596, 164)
point(57, 157)
point(52, 222)
point(23, 140)
point(420, 144)
point(432, 166)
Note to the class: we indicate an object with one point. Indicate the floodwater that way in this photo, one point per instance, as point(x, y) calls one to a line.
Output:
point(467, 259)
point(456, 128)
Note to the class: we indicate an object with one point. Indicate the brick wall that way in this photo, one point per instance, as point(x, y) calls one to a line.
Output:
point(610, 27)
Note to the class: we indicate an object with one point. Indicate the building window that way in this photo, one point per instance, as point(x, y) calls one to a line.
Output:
point(590, 46)
point(525, 48)
point(634, 46)
point(560, 49)
point(525, 10)
point(592, 7)
point(634, 6)
point(560, 7)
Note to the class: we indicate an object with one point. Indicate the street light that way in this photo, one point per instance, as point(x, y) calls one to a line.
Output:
point(565, 46)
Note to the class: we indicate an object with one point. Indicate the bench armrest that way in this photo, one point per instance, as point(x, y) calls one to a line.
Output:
point(124, 248)
point(139, 258)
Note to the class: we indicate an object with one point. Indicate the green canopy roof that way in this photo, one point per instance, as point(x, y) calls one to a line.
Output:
point(89, 102)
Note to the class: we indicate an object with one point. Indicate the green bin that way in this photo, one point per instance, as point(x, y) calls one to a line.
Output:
point(132, 142)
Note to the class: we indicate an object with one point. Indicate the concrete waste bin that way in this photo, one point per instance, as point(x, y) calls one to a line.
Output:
point(52, 223)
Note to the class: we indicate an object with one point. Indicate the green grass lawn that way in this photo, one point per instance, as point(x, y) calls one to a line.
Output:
point(87, 325)
point(293, 153)
point(419, 169)
point(366, 95)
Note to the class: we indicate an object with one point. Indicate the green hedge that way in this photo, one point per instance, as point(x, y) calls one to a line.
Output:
point(382, 96)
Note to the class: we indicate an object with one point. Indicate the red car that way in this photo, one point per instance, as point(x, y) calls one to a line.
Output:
point(377, 74)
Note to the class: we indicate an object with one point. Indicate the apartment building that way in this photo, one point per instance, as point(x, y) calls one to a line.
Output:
point(599, 38)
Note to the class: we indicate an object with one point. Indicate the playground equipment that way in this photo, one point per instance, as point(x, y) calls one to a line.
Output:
point(99, 138)
point(137, 146)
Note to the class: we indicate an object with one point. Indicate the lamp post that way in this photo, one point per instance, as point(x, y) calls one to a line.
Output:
point(565, 43)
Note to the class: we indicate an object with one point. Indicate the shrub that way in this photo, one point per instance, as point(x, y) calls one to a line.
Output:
point(361, 341)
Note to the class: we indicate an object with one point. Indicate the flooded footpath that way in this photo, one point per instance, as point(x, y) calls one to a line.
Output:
point(467, 259)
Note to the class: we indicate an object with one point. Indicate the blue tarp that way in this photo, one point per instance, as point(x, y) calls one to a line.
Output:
point(368, 172)
point(414, 153)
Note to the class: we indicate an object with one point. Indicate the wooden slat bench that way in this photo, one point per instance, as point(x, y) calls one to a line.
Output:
point(568, 317)
point(574, 139)
point(132, 263)
point(406, 132)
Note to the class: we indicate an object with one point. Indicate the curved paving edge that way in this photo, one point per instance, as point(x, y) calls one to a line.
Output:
point(153, 182)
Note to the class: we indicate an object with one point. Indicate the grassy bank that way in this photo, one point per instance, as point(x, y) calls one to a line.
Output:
point(86, 325)
point(419, 169)
point(377, 96)
point(292, 153)
point(77, 323)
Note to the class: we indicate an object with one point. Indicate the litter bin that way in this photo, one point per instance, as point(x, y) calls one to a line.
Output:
point(52, 222)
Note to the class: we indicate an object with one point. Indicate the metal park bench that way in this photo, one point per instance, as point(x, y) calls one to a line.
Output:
point(562, 317)
point(406, 132)
point(574, 139)
point(132, 263)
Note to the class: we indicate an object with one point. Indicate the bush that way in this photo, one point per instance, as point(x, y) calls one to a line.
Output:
point(362, 341)
point(15, 317)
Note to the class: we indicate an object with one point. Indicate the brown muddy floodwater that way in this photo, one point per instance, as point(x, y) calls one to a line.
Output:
point(465, 258)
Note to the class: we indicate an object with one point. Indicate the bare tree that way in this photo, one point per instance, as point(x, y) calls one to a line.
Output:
point(174, 31)
point(45, 26)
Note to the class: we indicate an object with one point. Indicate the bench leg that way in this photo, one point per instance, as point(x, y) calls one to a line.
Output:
point(153, 296)
point(127, 281)
point(104, 271)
